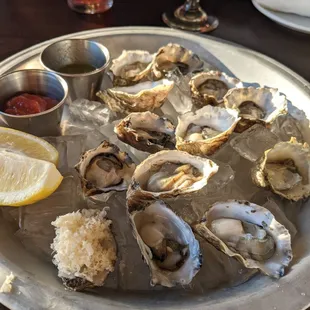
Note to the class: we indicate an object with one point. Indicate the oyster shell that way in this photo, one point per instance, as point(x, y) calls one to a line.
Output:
point(146, 131)
point(256, 105)
point(249, 233)
point(105, 169)
point(169, 174)
point(131, 67)
point(84, 248)
point(211, 87)
point(285, 169)
point(141, 97)
point(173, 56)
point(167, 244)
point(204, 131)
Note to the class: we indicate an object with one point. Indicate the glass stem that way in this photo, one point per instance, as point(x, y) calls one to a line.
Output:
point(192, 5)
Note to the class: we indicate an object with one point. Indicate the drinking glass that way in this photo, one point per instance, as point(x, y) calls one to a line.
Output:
point(90, 6)
point(190, 16)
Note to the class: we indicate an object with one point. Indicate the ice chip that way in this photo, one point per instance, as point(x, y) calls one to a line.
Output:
point(243, 178)
point(108, 131)
point(169, 112)
point(36, 232)
point(285, 127)
point(180, 95)
point(93, 139)
point(90, 113)
point(202, 203)
point(252, 143)
point(226, 154)
point(183, 207)
point(37, 218)
point(71, 129)
point(224, 175)
point(69, 148)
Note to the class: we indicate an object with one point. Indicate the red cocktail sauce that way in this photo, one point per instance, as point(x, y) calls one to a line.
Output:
point(26, 104)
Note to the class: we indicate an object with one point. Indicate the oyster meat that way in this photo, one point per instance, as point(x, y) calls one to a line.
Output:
point(173, 56)
point(105, 169)
point(250, 233)
point(256, 105)
point(142, 97)
point(146, 131)
point(210, 87)
point(131, 67)
point(167, 244)
point(84, 248)
point(285, 169)
point(169, 174)
point(202, 132)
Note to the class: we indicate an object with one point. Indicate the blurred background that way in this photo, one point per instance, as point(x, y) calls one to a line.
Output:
point(25, 23)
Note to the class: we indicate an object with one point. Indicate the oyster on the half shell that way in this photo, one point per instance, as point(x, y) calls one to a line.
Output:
point(145, 96)
point(285, 169)
point(146, 131)
point(131, 67)
point(250, 233)
point(169, 174)
point(256, 105)
point(173, 56)
point(202, 132)
point(211, 87)
point(105, 169)
point(167, 244)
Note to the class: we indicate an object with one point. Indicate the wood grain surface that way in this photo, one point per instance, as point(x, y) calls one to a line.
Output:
point(24, 23)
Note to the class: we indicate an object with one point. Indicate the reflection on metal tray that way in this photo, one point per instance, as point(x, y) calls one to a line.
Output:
point(37, 286)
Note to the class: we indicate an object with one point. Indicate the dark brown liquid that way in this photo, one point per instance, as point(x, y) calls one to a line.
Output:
point(77, 68)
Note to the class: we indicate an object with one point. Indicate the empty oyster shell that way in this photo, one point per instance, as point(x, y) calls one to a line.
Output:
point(204, 131)
point(167, 244)
point(84, 248)
point(256, 105)
point(131, 67)
point(174, 56)
point(146, 131)
point(141, 97)
point(210, 87)
point(285, 169)
point(105, 169)
point(249, 233)
point(169, 174)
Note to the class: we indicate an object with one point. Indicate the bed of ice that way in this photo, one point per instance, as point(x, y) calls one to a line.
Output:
point(86, 125)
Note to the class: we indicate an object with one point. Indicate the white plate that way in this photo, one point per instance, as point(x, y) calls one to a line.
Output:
point(292, 21)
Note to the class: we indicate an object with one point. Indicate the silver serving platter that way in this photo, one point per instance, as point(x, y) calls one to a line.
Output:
point(36, 285)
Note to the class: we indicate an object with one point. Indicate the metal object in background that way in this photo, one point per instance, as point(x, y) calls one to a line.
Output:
point(37, 286)
point(190, 16)
point(90, 6)
point(34, 82)
point(77, 51)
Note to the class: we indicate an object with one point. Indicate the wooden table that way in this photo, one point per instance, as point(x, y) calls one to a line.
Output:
point(24, 23)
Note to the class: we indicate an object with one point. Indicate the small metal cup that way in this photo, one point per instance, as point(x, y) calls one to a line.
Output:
point(39, 82)
point(77, 51)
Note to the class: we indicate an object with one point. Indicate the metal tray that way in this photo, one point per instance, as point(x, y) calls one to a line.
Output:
point(38, 286)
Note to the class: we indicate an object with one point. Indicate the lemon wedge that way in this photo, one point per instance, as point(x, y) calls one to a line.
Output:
point(27, 144)
point(25, 180)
